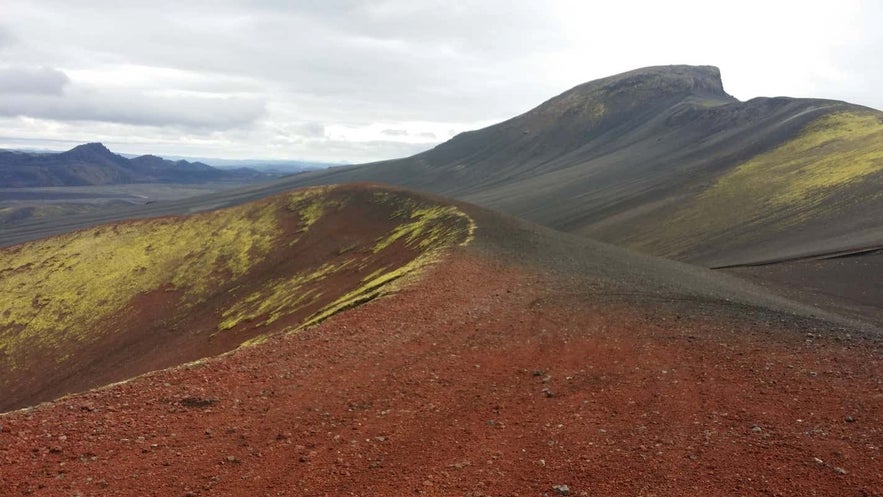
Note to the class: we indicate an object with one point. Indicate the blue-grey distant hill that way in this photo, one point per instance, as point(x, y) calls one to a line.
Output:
point(94, 164)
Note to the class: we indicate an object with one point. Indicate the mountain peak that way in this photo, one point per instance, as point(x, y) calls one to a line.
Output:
point(702, 80)
point(91, 148)
point(643, 87)
point(93, 152)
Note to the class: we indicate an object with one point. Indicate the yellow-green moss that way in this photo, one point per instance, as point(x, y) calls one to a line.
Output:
point(792, 181)
point(61, 288)
point(832, 151)
point(429, 228)
point(278, 298)
point(71, 288)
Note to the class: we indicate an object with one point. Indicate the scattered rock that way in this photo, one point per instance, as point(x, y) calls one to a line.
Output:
point(197, 402)
point(817, 460)
point(561, 489)
point(756, 429)
point(232, 459)
point(849, 419)
point(548, 393)
point(840, 471)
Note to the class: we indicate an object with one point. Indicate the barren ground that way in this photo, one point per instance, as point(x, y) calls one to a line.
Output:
point(481, 378)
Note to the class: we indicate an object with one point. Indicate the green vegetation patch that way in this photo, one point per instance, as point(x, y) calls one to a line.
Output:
point(832, 151)
point(60, 289)
point(787, 185)
point(421, 227)
point(240, 264)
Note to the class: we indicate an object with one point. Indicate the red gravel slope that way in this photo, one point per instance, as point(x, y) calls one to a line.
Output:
point(493, 374)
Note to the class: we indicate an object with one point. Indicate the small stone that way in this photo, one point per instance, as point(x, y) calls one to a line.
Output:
point(817, 460)
point(232, 459)
point(561, 489)
point(756, 429)
point(840, 471)
point(548, 393)
point(850, 419)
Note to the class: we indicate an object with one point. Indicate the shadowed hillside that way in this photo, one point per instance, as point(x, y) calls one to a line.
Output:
point(104, 304)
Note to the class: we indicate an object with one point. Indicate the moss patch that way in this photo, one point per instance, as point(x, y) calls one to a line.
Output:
point(787, 186)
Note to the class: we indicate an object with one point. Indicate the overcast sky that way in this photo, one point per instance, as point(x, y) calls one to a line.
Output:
point(355, 81)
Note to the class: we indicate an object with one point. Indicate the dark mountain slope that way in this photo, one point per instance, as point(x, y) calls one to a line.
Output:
point(634, 158)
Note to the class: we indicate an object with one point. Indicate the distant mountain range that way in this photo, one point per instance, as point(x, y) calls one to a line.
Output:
point(94, 164)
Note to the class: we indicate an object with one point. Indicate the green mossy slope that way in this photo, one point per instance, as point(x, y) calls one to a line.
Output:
point(192, 286)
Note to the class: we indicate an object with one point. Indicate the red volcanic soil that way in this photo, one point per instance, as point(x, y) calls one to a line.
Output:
point(482, 378)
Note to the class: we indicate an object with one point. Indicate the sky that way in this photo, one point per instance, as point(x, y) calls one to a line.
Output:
point(358, 81)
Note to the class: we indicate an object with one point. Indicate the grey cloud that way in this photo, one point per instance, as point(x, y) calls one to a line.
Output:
point(32, 80)
point(395, 132)
point(6, 37)
point(308, 130)
point(396, 59)
point(342, 151)
point(145, 110)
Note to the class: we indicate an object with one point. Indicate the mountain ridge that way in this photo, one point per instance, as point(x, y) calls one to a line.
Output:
point(95, 164)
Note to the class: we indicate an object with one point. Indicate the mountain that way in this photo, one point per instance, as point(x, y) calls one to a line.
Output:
point(664, 161)
point(783, 191)
point(388, 342)
point(661, 159)
point(94, 164)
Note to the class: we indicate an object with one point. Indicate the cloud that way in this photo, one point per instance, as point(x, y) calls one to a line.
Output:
point(307, 130)
point(32, 80)
point(198, 113)
point(6, 37)
point(394, 132)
